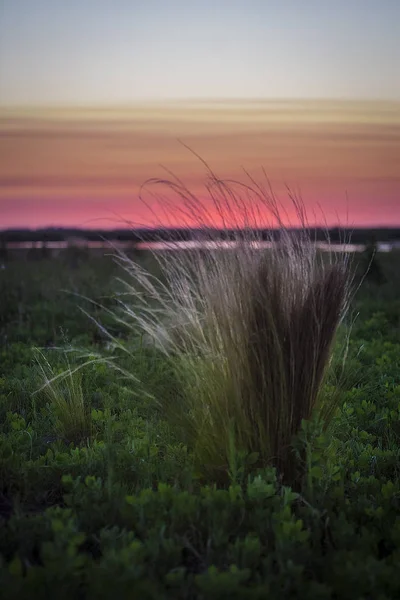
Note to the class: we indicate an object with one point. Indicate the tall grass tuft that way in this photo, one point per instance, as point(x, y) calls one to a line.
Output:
point(67, 403)
point(249, 331)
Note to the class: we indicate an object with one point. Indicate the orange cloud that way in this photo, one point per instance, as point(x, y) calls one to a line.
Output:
point(70, 167)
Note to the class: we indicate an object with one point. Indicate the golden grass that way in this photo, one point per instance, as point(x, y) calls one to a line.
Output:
point(250, 333)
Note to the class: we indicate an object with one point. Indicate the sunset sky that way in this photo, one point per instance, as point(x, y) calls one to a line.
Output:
point(94, 95)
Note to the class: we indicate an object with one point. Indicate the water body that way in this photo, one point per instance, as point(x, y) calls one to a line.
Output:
point(187, 245)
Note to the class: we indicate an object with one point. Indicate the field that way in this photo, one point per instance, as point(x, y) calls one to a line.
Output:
point(99, 495)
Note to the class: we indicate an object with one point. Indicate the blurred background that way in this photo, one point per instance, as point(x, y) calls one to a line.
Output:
point(96, 96)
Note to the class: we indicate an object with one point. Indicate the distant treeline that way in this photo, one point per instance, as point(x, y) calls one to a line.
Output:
point(336, 235)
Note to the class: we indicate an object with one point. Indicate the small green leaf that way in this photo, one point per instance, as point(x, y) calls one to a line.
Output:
point(15, 567)
point(316, 472)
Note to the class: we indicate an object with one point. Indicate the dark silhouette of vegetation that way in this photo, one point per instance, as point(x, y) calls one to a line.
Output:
point(336, 235)
point(371, 262)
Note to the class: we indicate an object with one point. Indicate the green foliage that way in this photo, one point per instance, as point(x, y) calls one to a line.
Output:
point(121, 511)
point(66, 401)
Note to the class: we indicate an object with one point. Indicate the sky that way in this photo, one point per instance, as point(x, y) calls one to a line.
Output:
point(118, 51)
point(95, 93)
